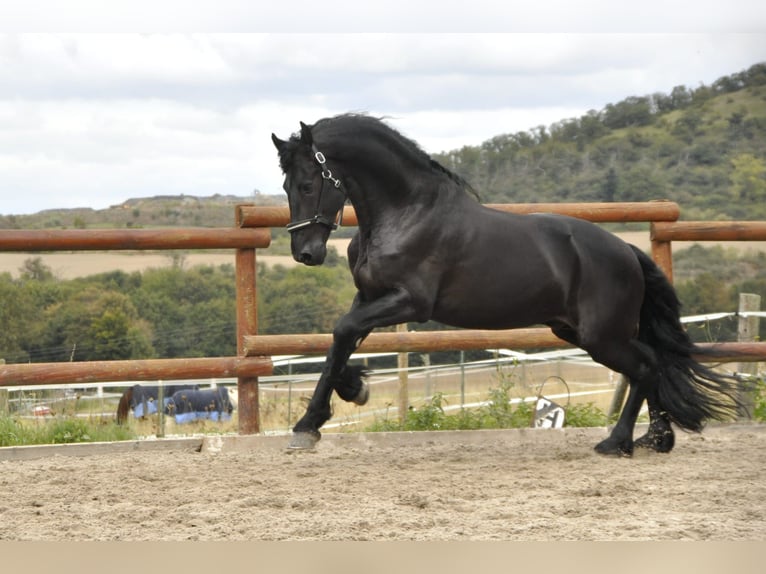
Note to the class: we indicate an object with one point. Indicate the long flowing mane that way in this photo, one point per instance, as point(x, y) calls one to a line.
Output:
point(365, 134)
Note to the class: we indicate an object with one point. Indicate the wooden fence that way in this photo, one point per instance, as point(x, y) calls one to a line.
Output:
point(252, 232)
point(247, 369)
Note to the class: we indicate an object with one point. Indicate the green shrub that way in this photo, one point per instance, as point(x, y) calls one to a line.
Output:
point(68, 430)
point(11, 433)
point(759, 410)
point(584, 415)
point(499, 412)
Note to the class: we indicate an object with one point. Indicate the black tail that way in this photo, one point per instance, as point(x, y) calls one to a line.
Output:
point(688, 391)
point(124, 406)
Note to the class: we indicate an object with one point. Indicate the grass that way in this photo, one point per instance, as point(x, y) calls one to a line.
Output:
point(759, 410)
point(17, 432)
point(499, 412)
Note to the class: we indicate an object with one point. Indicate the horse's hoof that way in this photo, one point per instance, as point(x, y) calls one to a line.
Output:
point(363, 395)
point(612, 447)
point(657, 441)
point(303, 441)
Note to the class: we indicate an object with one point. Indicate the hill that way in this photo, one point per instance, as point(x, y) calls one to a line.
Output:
point(157, 211)
point(704, 148)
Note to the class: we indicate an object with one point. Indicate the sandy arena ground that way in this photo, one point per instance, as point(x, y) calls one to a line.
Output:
point(486, 485)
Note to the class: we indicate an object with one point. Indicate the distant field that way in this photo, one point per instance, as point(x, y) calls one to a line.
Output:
point(71, 265)
point(79, 264)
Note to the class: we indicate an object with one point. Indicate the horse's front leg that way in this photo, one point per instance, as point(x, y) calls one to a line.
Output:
point(336, 375)
point(393, 308)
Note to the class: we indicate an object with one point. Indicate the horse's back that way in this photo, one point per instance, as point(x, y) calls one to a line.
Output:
point(516, 270)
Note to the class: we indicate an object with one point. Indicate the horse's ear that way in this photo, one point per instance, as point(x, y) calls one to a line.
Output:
point(306, 134)
point(278, 143)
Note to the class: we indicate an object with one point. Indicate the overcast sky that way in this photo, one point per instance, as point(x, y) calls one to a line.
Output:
point(90, 120)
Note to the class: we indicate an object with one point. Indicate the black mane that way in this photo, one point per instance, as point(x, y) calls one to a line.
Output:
point(361, 130)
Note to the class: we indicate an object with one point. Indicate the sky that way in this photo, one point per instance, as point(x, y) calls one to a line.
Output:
point(103, 114)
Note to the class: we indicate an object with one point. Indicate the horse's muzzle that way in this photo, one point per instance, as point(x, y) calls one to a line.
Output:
point(311, 257)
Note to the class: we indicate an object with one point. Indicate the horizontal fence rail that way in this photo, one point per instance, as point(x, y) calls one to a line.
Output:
point(709, 231)
point(140, 239)
point(279, 216)
point(412, 341)
point(468, 339)
point(662, 235)
point(136, 370)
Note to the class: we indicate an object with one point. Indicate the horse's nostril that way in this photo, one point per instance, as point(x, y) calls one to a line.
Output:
point(305, 258)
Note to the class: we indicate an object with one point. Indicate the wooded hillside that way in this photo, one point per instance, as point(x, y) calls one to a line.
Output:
point(703, 147)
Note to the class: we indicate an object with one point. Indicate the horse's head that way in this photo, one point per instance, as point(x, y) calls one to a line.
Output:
point(314, 194)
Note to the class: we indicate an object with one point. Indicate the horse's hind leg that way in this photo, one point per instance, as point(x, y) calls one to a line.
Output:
point(637, 362)
point(660, 436)
point(634, 360)
point(620, 440)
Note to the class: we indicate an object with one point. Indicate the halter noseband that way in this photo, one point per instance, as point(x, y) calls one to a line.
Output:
point(327, 178)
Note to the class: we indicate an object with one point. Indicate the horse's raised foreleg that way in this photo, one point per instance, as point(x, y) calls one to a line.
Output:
point(336, 375)
point(393, 308)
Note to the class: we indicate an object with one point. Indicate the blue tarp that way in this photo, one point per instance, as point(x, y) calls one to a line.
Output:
point(196, 415)
point(191, 405)
point(151, 408)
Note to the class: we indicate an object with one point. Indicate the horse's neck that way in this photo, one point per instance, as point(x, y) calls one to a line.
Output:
point(375, 200)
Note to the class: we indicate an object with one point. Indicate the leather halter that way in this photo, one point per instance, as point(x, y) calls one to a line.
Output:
point(327, 179)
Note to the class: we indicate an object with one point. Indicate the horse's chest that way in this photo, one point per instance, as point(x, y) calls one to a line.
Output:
point(372, 274)
point(365, 274)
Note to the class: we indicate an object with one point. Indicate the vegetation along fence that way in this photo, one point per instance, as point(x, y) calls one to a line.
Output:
point(252, 232)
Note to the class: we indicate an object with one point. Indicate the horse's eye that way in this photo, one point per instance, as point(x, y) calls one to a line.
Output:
point(306, 187)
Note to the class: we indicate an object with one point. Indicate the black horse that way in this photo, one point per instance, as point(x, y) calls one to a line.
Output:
point(427, 249)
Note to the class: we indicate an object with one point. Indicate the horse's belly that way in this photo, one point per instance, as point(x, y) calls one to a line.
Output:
point(509, 310)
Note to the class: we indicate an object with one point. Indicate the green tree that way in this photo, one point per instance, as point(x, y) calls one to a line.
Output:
point(33, 269)
point(302, 300)
point(609, 188)
point(93, 324)
point(192, 312)
point(748, 178)
point(14, 311)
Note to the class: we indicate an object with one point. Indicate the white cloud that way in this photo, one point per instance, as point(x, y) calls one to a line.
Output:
point(92, 120)
point(338, 16)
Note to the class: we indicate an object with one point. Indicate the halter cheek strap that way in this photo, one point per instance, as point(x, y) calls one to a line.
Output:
point(327, 178)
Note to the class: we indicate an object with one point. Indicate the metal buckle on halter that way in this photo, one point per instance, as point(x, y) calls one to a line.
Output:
point(326, 173)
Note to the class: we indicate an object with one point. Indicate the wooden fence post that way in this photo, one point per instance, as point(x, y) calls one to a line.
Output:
point(747, 332)
point(249, 419)
point(403, 365)
point(4, 410)
point(662, 253)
